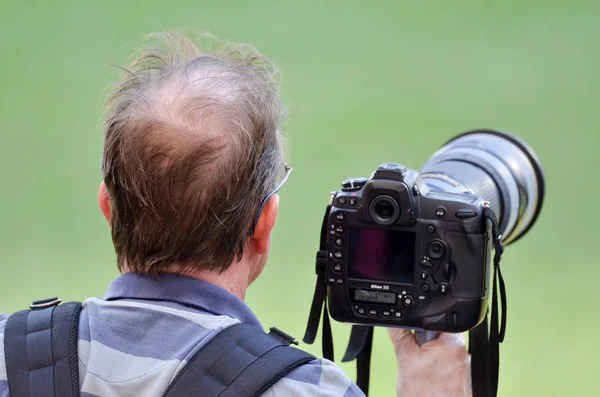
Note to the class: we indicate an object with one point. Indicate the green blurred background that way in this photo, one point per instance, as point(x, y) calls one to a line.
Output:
point(367, 82)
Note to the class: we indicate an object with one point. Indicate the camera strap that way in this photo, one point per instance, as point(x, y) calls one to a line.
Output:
point(319, 303)
point(497, 325)
point(484, 344)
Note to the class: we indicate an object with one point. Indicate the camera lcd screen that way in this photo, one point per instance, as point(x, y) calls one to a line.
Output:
point(382, 255)
point(361, 295)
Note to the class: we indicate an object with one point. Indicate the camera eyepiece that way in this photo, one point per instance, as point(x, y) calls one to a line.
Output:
point(384, 210)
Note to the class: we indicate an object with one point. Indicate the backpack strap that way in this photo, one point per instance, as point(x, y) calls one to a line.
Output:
point(241, 361)
point(40, 348)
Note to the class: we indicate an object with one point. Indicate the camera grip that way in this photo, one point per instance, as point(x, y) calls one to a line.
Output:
point(423, 337)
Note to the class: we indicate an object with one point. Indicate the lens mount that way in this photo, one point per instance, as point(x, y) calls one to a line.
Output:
point(384, 210)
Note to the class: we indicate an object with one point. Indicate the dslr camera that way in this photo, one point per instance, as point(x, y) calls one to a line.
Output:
point(412, 249)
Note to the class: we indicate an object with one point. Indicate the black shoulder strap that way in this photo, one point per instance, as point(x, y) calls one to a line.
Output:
point(40, 348)
point(241, 361)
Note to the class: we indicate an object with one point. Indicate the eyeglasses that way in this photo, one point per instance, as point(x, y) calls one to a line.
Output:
point(288, 172)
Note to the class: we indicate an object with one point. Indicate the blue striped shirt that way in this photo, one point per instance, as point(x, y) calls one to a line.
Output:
point(135, 340)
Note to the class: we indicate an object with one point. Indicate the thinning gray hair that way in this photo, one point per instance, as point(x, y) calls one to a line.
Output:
point(192, 144)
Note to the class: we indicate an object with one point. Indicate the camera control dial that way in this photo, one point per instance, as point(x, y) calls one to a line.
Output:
point(352, 184)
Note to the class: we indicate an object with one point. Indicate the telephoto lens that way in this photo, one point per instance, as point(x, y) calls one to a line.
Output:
point(497, 166)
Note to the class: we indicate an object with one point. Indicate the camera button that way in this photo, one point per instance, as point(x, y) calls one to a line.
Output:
point(339, 216)
point(386, 313)
point(342, 200)
point(424, 275)
point(339, 242)
point(425, 287)
point(337, 268)
point(339, 281)
point(440, 212)
point(372, 312)
point(360, 310)
point(338, 255)
point(339, 229)
point(426, 263)
point(430, 229)
point(444, 288)
point(352, 201)
point(408, 301)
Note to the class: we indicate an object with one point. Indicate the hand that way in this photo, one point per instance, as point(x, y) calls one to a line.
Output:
point(439, 368)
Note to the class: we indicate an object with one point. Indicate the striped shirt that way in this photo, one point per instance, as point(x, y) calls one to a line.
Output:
point(135, 340)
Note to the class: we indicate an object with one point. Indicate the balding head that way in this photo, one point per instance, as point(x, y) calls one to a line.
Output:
point(192, 145)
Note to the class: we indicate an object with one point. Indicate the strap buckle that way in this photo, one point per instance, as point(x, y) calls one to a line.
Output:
point(321, 262)
point(282, 336)
point(44, 303)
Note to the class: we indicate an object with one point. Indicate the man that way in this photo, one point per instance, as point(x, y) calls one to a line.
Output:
point(192, 157)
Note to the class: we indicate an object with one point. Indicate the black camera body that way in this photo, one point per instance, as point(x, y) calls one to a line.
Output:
point(401, 253)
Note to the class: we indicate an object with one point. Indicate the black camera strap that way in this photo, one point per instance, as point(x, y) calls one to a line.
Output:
point(497, 326)
point(484, 345)
point(359, 349)
point(361, 337)
point(319, 302)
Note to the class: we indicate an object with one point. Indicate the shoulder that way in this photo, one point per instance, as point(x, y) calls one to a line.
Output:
point(318, 378)
point(3, 377)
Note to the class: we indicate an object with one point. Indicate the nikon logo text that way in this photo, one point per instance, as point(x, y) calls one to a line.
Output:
point(377, 286)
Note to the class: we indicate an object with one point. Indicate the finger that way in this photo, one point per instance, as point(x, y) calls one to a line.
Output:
point(453, 346)
point(403, 341)
point(453, 339)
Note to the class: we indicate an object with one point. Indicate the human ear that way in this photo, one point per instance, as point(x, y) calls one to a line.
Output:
point(265, 224)
point(103, 201)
